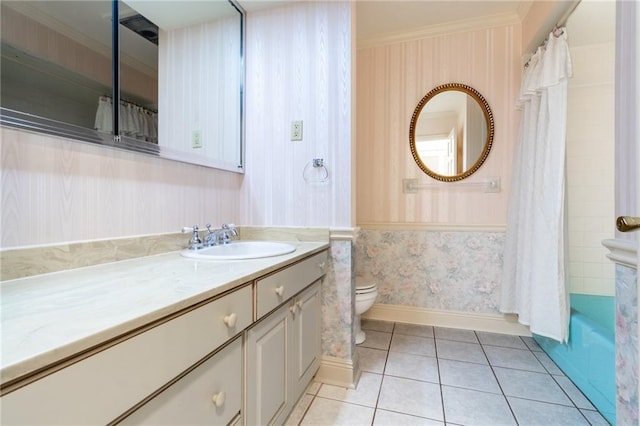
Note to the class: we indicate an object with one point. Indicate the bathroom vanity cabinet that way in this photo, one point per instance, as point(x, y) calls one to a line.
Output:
point(243, 356)
point(283, 353)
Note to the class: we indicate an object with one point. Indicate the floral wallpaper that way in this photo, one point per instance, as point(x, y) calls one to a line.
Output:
point(337, 307)
point(457, 271)
point(626, 345)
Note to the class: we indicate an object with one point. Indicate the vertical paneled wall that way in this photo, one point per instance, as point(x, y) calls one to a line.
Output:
point(55, 190)
point(391, 80)
point(200, 77)
point(298, 68)
point(413, 264)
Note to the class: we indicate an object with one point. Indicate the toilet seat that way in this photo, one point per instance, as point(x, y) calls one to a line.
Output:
point(364, 286)
point(366, 289)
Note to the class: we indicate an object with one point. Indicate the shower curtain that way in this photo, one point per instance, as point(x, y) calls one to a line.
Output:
point(135, 121)
point(533, 281)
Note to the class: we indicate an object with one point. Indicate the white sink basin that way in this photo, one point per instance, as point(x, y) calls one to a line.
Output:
point(240, 250)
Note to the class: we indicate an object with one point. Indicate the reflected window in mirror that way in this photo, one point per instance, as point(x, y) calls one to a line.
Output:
point(451, 132)
point(179, 74)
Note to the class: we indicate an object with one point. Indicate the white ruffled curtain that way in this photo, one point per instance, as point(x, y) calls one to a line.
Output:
point(534, 283)
point(135, 121)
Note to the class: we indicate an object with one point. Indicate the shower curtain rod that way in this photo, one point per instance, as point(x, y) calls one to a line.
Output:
point(561, 23)
point(563, 20)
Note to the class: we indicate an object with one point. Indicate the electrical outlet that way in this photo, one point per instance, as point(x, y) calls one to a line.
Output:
point(296, 130)
point(196, 139)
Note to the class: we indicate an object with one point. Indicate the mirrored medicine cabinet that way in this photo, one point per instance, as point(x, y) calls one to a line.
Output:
point(174, 67)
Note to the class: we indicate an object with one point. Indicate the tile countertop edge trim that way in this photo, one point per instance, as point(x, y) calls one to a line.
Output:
point(23, 368)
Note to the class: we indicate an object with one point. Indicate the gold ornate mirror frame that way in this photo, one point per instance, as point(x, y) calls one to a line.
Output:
point(488, 116)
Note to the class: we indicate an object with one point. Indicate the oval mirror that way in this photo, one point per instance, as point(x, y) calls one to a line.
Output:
point(451, 132)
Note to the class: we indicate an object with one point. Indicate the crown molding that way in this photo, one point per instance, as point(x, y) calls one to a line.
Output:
point(473, 24)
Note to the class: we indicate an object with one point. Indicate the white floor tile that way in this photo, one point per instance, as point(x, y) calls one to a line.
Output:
point(531, 344)
point(574, 393)
point(371, 360)
point(414, 330)
point(324, 412)
point(411, 397)
point(403, 383)
point(376, 340)
point(548, 364)
point(456, 334)
point(505, 340)
point(413, 345)
point(376, 325)
point(595, 418)
point(531, 385)
point(468, 375)
point(460, 351)
point(534, 413)
point(390, 418)
point(366, 393)
point(313, 388)
point(299, 410)
point(410, 366)
point(513, 358)
point(469, 407)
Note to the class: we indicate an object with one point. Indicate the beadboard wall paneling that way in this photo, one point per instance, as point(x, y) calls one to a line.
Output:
point(299, 68)
point(55, 190)
point(391, 80)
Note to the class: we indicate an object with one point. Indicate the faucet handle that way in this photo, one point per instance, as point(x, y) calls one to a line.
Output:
point(231, 228)
point(195, 242)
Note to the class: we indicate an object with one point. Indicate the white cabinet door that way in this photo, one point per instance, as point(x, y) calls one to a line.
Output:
point(304, 355)
point(210, 394)
point(266, 371)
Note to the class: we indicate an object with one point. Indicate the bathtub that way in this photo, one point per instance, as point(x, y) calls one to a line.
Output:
point(588, 359)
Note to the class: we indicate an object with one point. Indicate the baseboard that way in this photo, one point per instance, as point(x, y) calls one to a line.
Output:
point(338, 372)
point(495, 323)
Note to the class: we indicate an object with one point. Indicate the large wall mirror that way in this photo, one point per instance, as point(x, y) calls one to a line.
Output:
point(451, 132)
point(176, 74)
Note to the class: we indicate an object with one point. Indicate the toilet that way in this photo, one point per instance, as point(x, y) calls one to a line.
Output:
point(366, 293)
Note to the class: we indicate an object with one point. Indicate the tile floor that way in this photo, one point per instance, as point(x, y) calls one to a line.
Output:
point(423, 375)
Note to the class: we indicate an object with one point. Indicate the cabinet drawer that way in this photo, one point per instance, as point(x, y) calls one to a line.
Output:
point(190, 401)
point(282, 285)
point(101, 387)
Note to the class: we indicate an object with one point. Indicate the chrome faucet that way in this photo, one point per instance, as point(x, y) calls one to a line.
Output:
point(195, 243)
point(220, 236)
point(213, 238)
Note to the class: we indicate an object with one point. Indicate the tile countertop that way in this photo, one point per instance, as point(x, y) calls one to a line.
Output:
point(47, 318)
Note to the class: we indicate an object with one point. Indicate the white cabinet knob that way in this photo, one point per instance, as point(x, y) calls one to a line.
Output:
point(321, 265)
point(218, 399)
point(280, 290)
point(299, 304)
point(292, 308)
point(230, 320)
